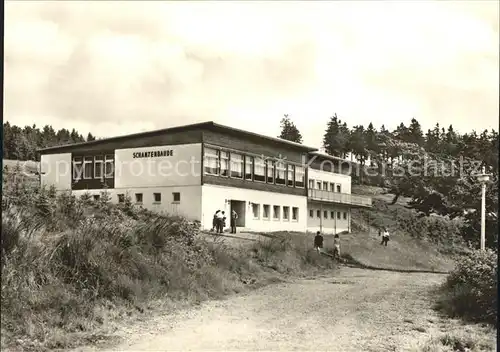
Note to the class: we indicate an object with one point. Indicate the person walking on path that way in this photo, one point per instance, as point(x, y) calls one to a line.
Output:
point(234, 216)
point(336, 246)
point(385, 237)
point(318, 242)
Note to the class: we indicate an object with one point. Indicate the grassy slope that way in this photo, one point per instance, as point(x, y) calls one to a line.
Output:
point(403, 251)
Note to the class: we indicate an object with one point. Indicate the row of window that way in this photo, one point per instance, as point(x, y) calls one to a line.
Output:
point(325, 214)
point(278, 212)
point(176, 198)
point(325, 186)
point(93, 167)
point(251, 168)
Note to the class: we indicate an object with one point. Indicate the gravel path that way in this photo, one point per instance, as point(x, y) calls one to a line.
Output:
point(357, 310)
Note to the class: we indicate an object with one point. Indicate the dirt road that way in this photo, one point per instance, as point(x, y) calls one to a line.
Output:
point(356, 310)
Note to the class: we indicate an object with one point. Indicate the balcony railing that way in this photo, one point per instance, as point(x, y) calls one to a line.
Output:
point(342, 198)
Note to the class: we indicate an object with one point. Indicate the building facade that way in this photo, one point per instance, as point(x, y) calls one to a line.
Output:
point(194, 170)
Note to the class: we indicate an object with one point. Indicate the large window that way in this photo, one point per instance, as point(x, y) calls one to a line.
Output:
point(265, 211)
point(249, 168)
point(325, 185)
point(77, 167)
point(109, 166)
point(276, 212)
point(87, 167)
point(290, 174)
point(332, 187)
point(256, 210)
point(270, 171)
point(224, 163)
point(280, 173)
point(211, 161)
point(299, 176)
point(260, 170)
point(98, 167)
point(318, 184)
point(236, 165)
point(286, 213)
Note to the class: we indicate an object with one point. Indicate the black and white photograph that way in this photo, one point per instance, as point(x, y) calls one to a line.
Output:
point(250, 175)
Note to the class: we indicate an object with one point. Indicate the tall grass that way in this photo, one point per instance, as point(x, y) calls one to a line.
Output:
point(65, 259)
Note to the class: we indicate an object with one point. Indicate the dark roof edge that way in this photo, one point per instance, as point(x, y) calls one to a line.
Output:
point(208, 124)
point(133, 135)
point(274, 139)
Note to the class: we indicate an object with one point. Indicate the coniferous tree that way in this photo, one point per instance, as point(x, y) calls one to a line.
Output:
point(371, 143)
point(415, 134)
point(401, 133)
point(289, 131)
point(90, 137)
point(333, 140)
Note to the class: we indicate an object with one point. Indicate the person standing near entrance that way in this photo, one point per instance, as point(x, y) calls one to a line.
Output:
point(234, 216)
point(318, 242)
point(219, 221)
point(214, 221)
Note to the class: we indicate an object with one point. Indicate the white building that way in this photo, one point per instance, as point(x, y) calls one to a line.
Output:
point(197, 169)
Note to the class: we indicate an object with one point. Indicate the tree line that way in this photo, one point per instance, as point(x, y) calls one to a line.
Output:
point(21, 143)
point(388, 146)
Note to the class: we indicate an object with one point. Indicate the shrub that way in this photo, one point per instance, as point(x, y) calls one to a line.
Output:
point(471, 289)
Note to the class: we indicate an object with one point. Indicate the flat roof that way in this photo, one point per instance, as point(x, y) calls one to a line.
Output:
point(209, 125)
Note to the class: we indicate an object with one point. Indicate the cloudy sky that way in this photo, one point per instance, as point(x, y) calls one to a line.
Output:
point(120, 67)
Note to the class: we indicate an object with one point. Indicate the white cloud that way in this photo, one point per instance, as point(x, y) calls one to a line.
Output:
point(121, 67)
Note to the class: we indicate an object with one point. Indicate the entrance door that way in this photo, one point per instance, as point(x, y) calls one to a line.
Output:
point(239, 207)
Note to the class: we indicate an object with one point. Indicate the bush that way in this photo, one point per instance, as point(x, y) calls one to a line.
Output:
point(471, 289)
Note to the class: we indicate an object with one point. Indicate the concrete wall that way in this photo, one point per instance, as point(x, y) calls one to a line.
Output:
point(181, 168)
point(56, 171)
point(327, 225)
point(188, 206)
point(339, 179)
point(214, 198)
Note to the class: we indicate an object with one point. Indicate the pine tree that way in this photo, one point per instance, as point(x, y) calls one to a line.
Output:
point(289, 131)
point(358, 146)
point(346, 136)
point(415, 134)
point(401, 133)
point(90, 137)
point(332, 139)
